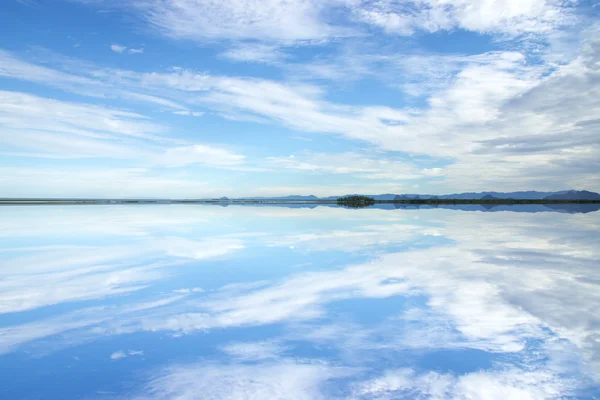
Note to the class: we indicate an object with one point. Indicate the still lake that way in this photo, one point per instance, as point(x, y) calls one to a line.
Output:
point(273, 302)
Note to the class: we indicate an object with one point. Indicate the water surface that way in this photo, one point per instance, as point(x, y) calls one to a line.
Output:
point(266, 302)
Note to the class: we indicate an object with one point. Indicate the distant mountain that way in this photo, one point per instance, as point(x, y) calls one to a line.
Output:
point(489, 197)
point(522, 195)
point(386, 196)
point(530, 195)
point(288, 198)
point(309, 197)
point(574, 195)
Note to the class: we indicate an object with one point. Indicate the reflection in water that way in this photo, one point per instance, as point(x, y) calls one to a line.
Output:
point(298, 303)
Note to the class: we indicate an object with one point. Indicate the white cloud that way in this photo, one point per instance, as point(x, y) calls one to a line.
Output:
point(189, 113)
point(77, 273)
point(270, 20)
point(362, 165)
point(89, 80)
point(488, 385)
point(33, 115)
point(474, 98)
point(198, 250)
point(309, 20)
point(121, 354)
point(33, 126)
point(255, 52)
point(15, 68)
point(69, 326)
point(254, 351)
point(513, 17)
point(202, 154)
point(117, 355)
point(38, 127)
point(278, 380)
point(478, 119)
point(360, 237)
point(192, 290)
point(117, 48)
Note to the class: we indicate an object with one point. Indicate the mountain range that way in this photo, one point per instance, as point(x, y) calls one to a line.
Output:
point(529, 195)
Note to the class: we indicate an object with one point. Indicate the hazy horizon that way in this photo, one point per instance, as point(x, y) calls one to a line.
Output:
point(302, 195)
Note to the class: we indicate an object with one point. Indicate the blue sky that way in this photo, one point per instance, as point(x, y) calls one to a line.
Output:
point(203, 98)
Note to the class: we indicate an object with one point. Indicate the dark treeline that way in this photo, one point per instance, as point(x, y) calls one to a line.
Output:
point(356, 201)
point(434, 201)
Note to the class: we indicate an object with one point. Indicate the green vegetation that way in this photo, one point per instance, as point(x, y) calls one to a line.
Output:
point(355, 201)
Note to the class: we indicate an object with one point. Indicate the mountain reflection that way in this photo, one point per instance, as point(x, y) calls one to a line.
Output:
point(299, 303)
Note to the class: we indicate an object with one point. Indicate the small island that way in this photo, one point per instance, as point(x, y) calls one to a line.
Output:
point(356, 201)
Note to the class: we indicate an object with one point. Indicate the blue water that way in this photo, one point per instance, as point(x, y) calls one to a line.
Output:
point(270, 302)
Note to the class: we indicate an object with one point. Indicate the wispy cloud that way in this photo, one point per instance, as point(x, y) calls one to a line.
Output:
point(88, 80)
point(86, 273)
point(117, 48)
point(40, 127)
point(29, 3)
point(363, 165)
point(117, 355)
point(254, 351)
point(277, 380)
point(309, 21)
point(37, 127)
point(517, 17)
point(189, 113)
point(207, 155)
point(255, 52)
point(192, 290)
point(271, 20)
point(434, 385)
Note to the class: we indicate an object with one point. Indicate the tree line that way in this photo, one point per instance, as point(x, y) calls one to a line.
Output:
point(356, 201)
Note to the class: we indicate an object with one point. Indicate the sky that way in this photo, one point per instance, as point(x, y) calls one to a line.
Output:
point(210, 98)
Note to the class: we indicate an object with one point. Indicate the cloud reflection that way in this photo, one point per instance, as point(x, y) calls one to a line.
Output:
point(519, 289)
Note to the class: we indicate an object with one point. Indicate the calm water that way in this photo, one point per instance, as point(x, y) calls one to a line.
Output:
point(209, 302)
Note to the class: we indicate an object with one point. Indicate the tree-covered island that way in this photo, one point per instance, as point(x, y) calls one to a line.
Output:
point(355, 201)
